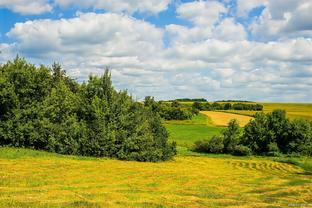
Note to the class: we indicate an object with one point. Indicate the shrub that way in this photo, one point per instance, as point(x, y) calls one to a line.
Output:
point(241, 150)
point(273, 149)
point(214, 145)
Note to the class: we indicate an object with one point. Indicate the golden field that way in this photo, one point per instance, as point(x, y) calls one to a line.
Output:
point(293, 110)
point(37, 179)
point(222, 118)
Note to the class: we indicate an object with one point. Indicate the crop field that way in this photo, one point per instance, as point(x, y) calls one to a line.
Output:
point(294, 110)
point(222, 119)
point(37, 179)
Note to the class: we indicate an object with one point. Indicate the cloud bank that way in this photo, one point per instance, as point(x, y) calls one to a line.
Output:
point(225, 52)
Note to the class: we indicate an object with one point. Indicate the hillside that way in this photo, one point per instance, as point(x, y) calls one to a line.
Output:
point(38, 179)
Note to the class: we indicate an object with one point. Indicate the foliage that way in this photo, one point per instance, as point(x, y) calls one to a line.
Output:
point(231, 136)
point(173, 111)
point(191, 100)
point(214, 145)
point(43, 108)
point(205, 106)
point(300, 137)
point(269, 134)
point(273, 133)
point(241, 150)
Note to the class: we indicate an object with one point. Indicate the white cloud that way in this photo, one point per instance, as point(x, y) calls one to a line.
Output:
point(280, 19)
point(202, 13)
point(36, 7)
point(229, 30)
point(127, 6)
point(244, 7)
point(27, 7)
point(213, 58)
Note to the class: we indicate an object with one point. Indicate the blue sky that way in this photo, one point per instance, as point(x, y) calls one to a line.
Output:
point(217, 49)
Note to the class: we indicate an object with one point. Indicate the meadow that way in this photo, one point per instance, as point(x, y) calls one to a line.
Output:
point(39, 179)
point(186, 132)
point(30, 178)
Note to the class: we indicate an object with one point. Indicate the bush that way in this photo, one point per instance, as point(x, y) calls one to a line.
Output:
point(273, 149)
point(241, 150)
point(214, 145)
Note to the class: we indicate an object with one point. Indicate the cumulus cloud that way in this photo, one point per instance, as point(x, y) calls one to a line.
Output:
point(203, 13)
point(27, 7)
point(127, 6)
point(212, 58)
point(280, 19)
point(35, 7)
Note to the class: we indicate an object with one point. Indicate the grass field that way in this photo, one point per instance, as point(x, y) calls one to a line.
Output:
point(186, 132)
point(31, 178)
point(38, 179)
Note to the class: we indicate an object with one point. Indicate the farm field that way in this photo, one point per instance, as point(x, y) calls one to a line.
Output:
point(294, 110)
point(38, 179)
point(222, 119)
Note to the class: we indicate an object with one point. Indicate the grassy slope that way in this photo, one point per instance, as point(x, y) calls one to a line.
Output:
point(38, 179)
point(185, 133)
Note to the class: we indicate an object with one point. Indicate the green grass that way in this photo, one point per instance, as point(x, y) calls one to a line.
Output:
point(185, 133)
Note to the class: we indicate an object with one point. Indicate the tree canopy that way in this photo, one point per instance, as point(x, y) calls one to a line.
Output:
point(42, 108)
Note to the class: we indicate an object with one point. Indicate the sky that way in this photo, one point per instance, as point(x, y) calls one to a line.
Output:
point(259, 50)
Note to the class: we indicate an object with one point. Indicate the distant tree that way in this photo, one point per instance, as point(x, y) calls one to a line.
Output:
point(227, 106)
point(175, 104)
point(197, 105)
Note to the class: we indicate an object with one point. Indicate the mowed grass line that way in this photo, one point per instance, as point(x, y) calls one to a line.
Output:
point(222, 119)
point(36, 179)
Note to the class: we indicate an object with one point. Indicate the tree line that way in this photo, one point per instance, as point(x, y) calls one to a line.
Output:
point(171, 111)
point(267, 134)
point(42, 108)
point(205, 106)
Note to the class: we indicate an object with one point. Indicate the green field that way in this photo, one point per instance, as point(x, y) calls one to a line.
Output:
point(185, 133)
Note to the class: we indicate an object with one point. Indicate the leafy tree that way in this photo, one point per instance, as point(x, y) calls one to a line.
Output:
point(278, 127)
point(231, 136)
point(47, 110)
point(256, 135)
point(300, 137)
